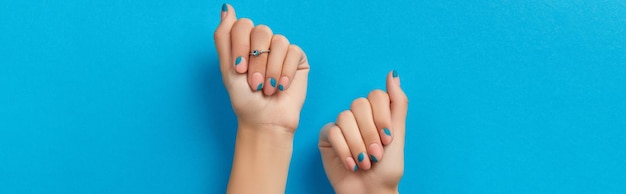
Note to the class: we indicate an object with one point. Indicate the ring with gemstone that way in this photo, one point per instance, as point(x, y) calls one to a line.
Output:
point(258, 52)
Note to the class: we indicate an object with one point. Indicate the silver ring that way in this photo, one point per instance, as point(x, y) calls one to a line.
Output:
point(258, 52)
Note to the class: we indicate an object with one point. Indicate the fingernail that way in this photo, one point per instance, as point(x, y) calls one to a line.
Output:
point(238, 60)
point(396, 77)
point(375, 152)
point(224, 10)
point(273, 82)
point(361, 157)
point(385, 137)
point(282, 83)
point(257, 80)
point(373, 158)
point(350, 164)
point(240, 64)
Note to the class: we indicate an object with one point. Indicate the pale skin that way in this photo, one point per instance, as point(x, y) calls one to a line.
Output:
point(361, 130)
point(267, 93)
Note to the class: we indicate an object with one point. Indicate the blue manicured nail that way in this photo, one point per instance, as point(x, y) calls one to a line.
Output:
point(395, 73)
point(224, 7)
point(355, 168)
point(238, 60)
point(387, 132)
point(361, 157)
point(273, 82)
point(281, 87)
point(258, 88)
point(373, 158)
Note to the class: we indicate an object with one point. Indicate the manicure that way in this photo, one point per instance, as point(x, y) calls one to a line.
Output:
point(361, 157)
point(396, 77)
point(282, 83)
point(387, 132)
point(224, 10)
point(373, 158)
point(350, 164)
point(257, 81)
point(272, 82)
point(374, 150)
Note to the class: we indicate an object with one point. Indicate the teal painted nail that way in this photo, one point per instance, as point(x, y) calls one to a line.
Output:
point(387, 132)
point(280, 87)
point(258, 88)
point(395, 73)
point(355, 168)
point(224, 7)
point(238, 60)
point(361, 157)
point(373, 158)
point(273, 82)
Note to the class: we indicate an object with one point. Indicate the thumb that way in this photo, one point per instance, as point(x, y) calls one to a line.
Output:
point(399, 103)
point(222, 36)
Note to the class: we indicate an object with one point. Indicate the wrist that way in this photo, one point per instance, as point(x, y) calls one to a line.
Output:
point(262, 136)
point(267, 128)
point(392, 190)
point(384, 191)
point(368, 190)
point(261, 159)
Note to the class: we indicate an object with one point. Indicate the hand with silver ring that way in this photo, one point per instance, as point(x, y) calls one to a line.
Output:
point(266, 78)
point(276, 81)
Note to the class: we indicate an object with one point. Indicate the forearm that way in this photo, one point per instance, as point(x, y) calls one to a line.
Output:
point(261, 160)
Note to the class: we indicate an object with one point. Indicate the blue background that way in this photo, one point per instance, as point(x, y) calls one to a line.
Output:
point(124, 96)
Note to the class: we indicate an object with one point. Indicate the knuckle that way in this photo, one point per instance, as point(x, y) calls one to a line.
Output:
point(262, 29)
point(360, 103)
point(220, 34)
point(279, 39)
point(244, 22)
point(402, 99)
point(378, 95)
point(294, 49)
point(344, 116)
point(297, 51)
point(333, 133)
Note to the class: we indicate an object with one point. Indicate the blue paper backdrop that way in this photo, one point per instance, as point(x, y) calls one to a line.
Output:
point(125, 96)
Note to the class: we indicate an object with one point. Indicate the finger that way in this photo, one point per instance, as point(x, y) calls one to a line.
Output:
point(398, 103)
point(260, 38)
point(363, 113)
point(275, 61)
point(241, 44)
point(222, 36)
point(332, 136)
point(294, 57)
point(350, 130)
point(379, 100)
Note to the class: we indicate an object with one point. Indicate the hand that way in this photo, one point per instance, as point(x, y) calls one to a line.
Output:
point(265, 90)
point(359, 133)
